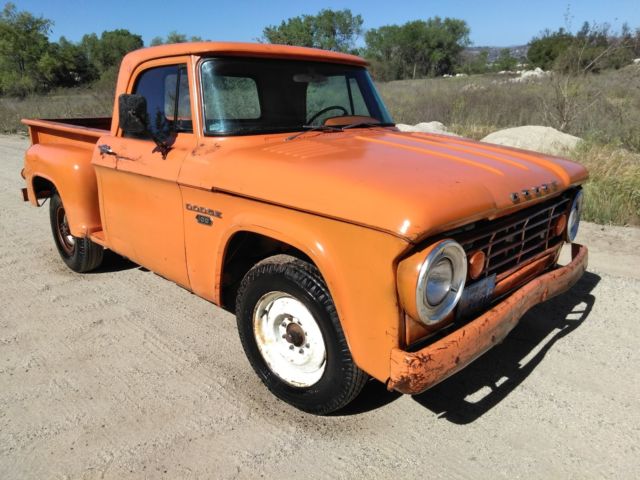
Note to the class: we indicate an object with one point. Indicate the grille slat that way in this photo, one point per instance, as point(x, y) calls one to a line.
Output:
point(544, 220)
point(514, 240)
point(496, 266)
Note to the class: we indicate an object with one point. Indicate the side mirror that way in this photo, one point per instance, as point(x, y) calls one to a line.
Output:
point(133, 114)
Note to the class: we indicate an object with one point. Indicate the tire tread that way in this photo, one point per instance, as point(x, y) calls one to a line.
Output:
point(87, 255)
point(308, 277)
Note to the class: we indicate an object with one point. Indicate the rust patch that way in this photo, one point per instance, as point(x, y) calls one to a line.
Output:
point(414, 372)
point(203, 149)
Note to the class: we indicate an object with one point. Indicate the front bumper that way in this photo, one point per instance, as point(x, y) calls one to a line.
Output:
point(414, 372)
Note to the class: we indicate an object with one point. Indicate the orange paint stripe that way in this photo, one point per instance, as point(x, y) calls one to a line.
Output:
point(465, 150)
point(558, 170)
point(495, 171)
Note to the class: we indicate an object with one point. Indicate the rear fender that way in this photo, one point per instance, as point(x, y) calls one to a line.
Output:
point(69, 169)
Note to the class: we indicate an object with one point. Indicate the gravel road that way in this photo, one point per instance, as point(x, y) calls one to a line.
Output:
point(121, 374)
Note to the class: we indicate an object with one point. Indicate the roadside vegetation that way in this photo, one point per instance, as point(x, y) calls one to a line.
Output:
point(590, 86)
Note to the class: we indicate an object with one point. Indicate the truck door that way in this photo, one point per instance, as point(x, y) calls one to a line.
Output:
point(141, 201)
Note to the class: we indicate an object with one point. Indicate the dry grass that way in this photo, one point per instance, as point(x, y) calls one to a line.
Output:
point(604, 108)
point(612, 195)
point(61, 104)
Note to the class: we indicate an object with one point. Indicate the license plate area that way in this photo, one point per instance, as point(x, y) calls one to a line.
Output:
point(475, 297)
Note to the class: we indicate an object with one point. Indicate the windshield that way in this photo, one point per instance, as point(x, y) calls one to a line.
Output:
point(249, 96)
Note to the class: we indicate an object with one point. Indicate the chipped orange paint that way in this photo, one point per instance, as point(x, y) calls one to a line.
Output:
point(414, 372)
point(356, 202)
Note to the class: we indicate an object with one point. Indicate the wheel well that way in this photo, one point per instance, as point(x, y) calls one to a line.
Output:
point(42, 187)
point(243, 251)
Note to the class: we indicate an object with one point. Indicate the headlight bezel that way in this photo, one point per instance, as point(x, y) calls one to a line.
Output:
point(453, 251)
point(573, 221)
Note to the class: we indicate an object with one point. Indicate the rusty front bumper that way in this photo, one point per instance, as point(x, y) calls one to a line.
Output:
point(414, 372)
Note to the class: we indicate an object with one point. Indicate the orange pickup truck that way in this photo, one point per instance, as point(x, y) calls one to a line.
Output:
point(271, 181)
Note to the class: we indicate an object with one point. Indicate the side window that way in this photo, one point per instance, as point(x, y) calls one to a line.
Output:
point(166, 90)
point(335, 91)
point(177, 100)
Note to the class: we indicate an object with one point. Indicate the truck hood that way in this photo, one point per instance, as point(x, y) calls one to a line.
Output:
point(408, 184)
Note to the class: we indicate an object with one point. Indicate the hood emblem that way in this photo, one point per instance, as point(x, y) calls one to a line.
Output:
point(535, 191)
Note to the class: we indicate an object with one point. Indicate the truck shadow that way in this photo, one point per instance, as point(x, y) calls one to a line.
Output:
point(112, 262)
point(472, 392)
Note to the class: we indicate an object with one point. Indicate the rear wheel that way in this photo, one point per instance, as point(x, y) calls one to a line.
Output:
point(80, 254)
point(292, 336)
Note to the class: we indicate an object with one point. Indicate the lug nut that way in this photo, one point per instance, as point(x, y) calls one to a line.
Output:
point(301, 351)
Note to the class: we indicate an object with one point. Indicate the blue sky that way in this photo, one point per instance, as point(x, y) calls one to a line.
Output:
point(494, 23)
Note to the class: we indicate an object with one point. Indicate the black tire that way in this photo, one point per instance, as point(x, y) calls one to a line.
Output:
point(341, 380)
point(80, 254)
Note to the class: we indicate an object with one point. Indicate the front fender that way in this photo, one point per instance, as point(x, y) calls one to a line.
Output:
point(357, 263)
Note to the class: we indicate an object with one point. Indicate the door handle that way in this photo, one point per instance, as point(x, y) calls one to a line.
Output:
point(106, 150)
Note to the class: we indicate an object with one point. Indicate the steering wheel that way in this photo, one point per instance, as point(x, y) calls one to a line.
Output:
point(325, 110)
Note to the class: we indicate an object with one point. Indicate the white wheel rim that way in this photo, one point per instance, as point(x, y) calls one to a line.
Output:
point(289, 339)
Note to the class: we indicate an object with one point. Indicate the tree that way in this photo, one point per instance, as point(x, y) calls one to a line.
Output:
point(416, 49)
point(384, 50)
point(505, 61)
point(594, 47)
point(105, 53)
point(474, 61)
point(546, 48)
point(29, 62)
point(23, 40)
point(65, 64)
point(329, 30)
point(90, 46)
point(174, 37)
point(114, 45)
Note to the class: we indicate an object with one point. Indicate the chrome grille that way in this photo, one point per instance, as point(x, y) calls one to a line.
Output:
point(512, 241)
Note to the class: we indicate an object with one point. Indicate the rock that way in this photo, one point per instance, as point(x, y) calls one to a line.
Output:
point(537, 138)
point(527, 75)
point(636, 61)
point(425, 127)
point(472, 87)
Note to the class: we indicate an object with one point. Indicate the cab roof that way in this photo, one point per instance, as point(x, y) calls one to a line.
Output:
point(268, 50)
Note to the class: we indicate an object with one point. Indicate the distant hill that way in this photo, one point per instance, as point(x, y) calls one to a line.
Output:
point(517, 51)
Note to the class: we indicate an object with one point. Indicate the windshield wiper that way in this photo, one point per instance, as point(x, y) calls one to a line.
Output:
point(367, 124)
point(315, 128)
point(337, 128)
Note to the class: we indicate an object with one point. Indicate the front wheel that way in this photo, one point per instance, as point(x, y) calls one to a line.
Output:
point(80, 254)
point(291, 334)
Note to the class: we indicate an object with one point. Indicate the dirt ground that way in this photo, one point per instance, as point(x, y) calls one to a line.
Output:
point(121, 374)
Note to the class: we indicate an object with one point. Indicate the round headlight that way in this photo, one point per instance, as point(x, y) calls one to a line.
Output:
point(440, 282)
point(574, 217)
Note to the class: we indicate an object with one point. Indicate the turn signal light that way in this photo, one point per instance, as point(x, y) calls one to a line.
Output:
point(561, 224)
point(476, 264)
